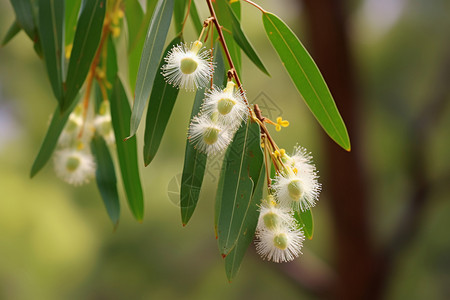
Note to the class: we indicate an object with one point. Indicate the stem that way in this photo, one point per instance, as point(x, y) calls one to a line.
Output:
point(187, 14)
point(256, 5)
point(225, 49)
point(91, 74)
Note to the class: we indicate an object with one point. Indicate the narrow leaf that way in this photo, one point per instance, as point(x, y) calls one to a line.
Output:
point(51, 138)
point(195, 17)
point(13, 30)
point(234, 259)
point(51, 26)
point(243, 42)
point(195, 161)
point(25, 17)
point(305, 222)
point(223, 15)
point(135, 46)
point(85, 44)
point(307, 78)
point(134, 16)
point(243, 161)
point(72, 10)
point(106, 178)
point(153, 47)
point(178, 15)
point(127, 151)
point(160, 105)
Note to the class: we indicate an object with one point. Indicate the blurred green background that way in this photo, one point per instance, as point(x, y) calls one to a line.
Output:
point(56, 241)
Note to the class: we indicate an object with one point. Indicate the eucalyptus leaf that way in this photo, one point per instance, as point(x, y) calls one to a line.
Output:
point(160, 105)
point(244, 160)
point(151, 55)
point(307, 78)
point(106, 178)
point(126, 150)
point(51, 138)
point(51, 29)
point(178, 15)
point(305, 222)
point(243, 42)
point(13, 30)
point(71, 18)
point(195, 161)
point(25, 17)
point(85, 44)
point(195, 17)
point(234, 259)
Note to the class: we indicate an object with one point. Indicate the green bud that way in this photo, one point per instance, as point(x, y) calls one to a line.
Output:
point(72, 163)
point(188, 65)
point(281, 241)
point(271, 220)
point(295, 189)
point(225, 105)
point(211, 135)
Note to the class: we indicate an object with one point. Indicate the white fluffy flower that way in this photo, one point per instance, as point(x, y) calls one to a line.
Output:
point(272, 216)
point(298, 189)
point(103, 125)
point(72, 129)
point(208, 136)
point(74, 166)
point(279, 245)
point(228, 104)
point(188, 67)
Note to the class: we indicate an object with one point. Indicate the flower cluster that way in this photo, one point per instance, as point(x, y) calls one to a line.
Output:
point(73, 160)
point(296, 188)
point(222, 113)
point(278, 238)
point(223, 110)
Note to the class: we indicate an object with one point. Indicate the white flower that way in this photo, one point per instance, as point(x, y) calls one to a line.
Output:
point(302, 160)
point(298, 189)
point(74, 166)
point(103, 125)
point(72, 129)
point(208, 136)
point(227, 103)
point(279, 245)
point(188, 67)
point(272, 216)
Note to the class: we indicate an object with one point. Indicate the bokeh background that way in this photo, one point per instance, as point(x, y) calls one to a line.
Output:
point(381, 226)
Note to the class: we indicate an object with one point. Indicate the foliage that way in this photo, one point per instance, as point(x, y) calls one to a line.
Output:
point(79, 42)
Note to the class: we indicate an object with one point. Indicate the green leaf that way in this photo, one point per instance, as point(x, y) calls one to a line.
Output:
point(25, 17)
point(106, 178)
point(13, 30)
point(85, 44)
point(238, 213)
point(234, 259)
point(151, 54)
point(135, 46)
point(307, 78)
point(178, 15)
point(305, 222)
point(134, 16)
point(51, 26)
point(223, 15)
point(127, 151)
point(195, 161)
point(51, 138)
point(243, 42)
point(72, 10)
point(160, 105)
point(195, 17)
